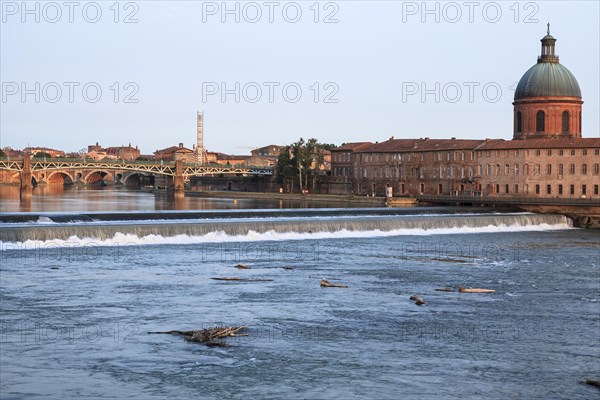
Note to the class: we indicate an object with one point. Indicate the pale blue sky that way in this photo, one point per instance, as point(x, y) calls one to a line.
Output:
point(370, 54)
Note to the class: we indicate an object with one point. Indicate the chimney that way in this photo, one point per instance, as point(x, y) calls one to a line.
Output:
point(453, 138)
point(180, 145)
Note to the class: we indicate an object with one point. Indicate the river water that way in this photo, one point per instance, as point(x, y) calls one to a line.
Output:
point(76, 310)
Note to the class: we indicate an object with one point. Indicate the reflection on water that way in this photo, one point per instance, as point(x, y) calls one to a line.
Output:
point(53, 198)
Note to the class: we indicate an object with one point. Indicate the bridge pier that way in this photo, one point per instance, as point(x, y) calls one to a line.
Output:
point(177, 190)
point(26, 187)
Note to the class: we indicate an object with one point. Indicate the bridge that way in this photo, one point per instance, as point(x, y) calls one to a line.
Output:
point(30, 171)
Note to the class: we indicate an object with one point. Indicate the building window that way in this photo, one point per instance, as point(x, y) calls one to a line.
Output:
point(583, 190)
point(560, 189)
point(540, 121)
point(507, 170)
point(572, 189)
point(506, 188)
point(439, 188)
point(549, 169)
point(596, 169)
point(565, 121)
point(537, 169)
point(572, 169)
point(519, 122)
point(597, 152)
point(488, 170)
point(548, 189)
point(516, 189)
point(448, 156)
point(516, 169)
point(572, 152)
point(596, 190)
point(584, 152)
point(561, 152)
point(497, 188)
point(537, 189)
point(516, 153)
point(560, 169)
point(538, 152)
point(549, 152)
point(583, 169)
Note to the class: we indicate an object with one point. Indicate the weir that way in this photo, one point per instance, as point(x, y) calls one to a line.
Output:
point(241, 227)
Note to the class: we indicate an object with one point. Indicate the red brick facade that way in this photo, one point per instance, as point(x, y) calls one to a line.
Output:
point(561, 117)
point(547, 157)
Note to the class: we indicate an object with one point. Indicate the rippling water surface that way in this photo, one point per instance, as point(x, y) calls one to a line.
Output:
point(75, 318)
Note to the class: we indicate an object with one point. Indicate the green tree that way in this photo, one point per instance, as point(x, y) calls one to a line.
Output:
point(302, 159)
point(42, 154)
point(2, 153)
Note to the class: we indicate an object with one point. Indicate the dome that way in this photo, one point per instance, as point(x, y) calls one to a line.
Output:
point(547, 79)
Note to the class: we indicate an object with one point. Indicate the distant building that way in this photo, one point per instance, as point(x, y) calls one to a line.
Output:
point(52, 152)
point(175, 153)
point(124, 152)
point(272, 150)
point(97, 152)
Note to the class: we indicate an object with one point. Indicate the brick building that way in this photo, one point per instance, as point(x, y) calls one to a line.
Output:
point(546, 158)
point(52, 152)
point(175, 153)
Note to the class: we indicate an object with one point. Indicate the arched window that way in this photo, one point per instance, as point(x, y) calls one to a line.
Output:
point(583, 169)
point(572, 169)
point(540, 121)
point(519, 121)
point(565, 121)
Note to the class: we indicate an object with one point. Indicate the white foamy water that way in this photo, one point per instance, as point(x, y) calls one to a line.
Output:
point(271, 235)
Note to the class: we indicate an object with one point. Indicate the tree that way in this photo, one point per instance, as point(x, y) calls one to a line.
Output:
point(42, 154)
point(285, 169)
point(303, 159)
point(2, 153)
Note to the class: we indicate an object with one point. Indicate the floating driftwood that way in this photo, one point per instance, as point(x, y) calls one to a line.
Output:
point(326, 283)
point(472, 290)
point(242, 279)
point(331, 279)
point(445, 289)
point(242, 266)
point(593, 382)
point(210, 335)
point(288, 268)
point(417, 299)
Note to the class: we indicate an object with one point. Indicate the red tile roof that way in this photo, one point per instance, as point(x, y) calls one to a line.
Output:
point(351, 146)
point(545, 143)
point(404, 145)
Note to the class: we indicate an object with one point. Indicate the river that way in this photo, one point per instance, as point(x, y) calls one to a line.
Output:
point(79, 296)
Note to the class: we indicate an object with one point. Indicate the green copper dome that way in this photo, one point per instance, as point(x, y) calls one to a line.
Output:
point(548, 77)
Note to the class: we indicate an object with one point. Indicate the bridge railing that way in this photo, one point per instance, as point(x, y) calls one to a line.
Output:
point(136, 162)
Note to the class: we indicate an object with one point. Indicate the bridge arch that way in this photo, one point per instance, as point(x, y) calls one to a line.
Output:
point(59, 178)
point(138, 179)
point(98, 177)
